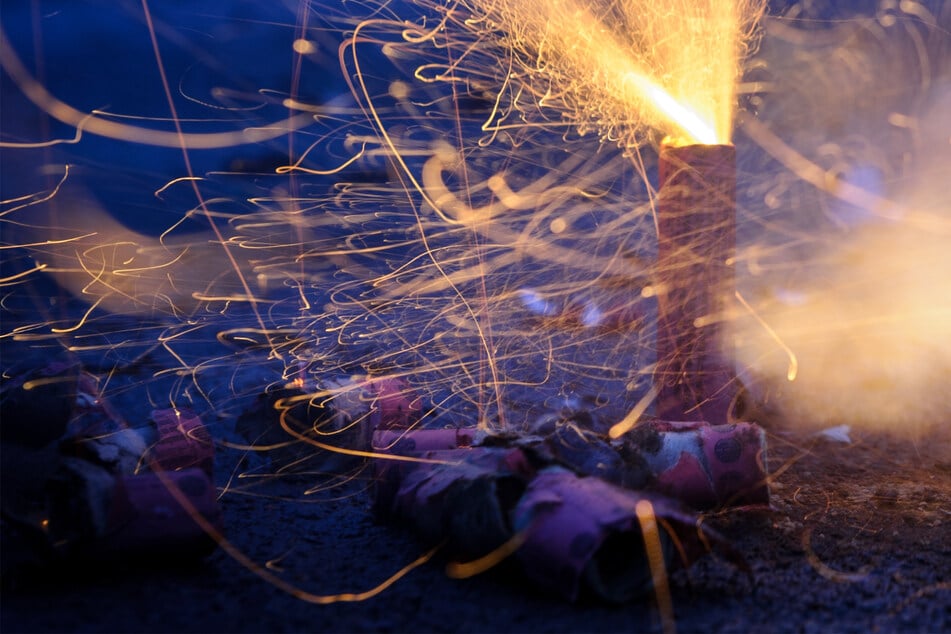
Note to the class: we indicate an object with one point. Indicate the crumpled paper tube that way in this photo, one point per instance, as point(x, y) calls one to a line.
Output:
point(146, 517)
point(583, 534)
point(93, 512)
point(183, 441)
point(376, 402)
point(705, 466)
point(463, 495)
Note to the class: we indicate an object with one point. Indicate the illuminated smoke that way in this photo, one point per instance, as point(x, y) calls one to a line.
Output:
point(848, 316)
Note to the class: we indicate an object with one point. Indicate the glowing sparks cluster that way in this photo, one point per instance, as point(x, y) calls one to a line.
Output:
point(624, 67)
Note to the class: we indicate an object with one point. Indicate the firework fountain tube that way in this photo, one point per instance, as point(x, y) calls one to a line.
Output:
point(696, 230)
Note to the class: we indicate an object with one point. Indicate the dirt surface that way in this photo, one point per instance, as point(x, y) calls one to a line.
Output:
point(857, 541)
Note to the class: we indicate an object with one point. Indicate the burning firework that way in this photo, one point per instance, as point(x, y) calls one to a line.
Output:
point(462, 219)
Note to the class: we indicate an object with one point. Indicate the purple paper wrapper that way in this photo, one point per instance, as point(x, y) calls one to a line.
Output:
point(395, 402)
point(147, 517)
point(372, 402)
point(583, 533)
point(703, 465)
point(183, 441)
point(463, 495)
point(417, 440)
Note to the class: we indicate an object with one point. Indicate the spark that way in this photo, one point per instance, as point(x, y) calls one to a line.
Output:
point(464, 570)
point(827, 571)
point(655, 559)
point(39, 95)
point(793, 369)
point(635, 414)
point(6, 281)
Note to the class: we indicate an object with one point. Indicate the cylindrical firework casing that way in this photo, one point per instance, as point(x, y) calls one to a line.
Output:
point(390, 474)
point(464, 495)
point(705, 466)
point(146, 517)
point(94, 512)
point(583, 532)
point(696, 231)
point(183, 441)
point(396, 404)
point(416, 440)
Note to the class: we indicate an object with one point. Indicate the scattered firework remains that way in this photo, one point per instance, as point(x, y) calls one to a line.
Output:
point(487, 197)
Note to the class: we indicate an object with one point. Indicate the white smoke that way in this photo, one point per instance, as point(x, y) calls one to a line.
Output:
point(859, 332)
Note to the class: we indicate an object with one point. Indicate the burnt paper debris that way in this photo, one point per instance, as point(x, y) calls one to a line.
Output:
point(81, 484)
point(569, 499)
